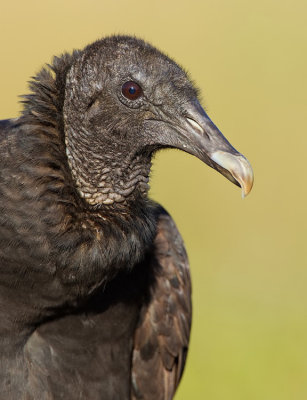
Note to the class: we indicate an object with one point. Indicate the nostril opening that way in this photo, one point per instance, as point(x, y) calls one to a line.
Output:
point(197, 127)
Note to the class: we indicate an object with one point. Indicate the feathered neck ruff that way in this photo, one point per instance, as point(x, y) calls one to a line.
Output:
point(44, 105)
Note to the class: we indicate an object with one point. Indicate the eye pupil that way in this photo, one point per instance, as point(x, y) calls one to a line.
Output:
point(131, 90)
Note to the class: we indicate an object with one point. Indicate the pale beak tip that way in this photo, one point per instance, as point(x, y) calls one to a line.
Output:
point(247, 185)
point(239, 168)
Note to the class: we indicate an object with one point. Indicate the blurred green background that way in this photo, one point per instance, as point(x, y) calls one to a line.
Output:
point(248, 257)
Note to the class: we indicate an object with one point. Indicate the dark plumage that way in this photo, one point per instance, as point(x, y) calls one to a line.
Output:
point(95, 286)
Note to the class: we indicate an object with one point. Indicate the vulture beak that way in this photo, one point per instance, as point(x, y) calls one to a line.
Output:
point(200, 137)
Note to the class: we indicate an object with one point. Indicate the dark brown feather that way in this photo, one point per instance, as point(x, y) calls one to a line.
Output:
point(162, 336)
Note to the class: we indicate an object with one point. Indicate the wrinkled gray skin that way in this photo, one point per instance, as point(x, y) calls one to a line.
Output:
point(120, 135)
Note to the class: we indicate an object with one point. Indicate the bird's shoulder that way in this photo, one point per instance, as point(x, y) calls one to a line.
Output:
point(8, 129)
point(5, 124)
point(162, 335)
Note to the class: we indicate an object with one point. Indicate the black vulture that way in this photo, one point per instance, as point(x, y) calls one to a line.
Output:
point(95, 285)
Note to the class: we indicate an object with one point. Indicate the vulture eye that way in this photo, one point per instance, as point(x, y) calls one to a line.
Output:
point(132, 90)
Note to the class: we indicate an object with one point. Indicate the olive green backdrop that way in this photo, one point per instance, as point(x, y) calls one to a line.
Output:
point(248, 257)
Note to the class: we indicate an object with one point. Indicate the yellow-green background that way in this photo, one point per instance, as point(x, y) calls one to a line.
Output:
point(248, 257)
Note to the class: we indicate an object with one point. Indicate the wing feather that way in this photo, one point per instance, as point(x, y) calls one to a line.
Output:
point(162, 336)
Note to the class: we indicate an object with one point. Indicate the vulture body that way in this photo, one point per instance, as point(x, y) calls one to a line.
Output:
point(95, 295)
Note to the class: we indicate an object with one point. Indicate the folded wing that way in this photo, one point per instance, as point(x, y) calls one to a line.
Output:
point(162, 336)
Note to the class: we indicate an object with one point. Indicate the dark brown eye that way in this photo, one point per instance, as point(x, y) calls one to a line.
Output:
point(132, 90)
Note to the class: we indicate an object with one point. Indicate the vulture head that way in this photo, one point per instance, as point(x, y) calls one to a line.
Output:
point(124, 100)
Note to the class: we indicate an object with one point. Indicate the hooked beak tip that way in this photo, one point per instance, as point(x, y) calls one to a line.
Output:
point(239, 168)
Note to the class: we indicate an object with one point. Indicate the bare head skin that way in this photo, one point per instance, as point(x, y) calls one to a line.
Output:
point(124, 100)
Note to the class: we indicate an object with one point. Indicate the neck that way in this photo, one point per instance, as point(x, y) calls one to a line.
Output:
point(82, 247)
point(107, 175)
